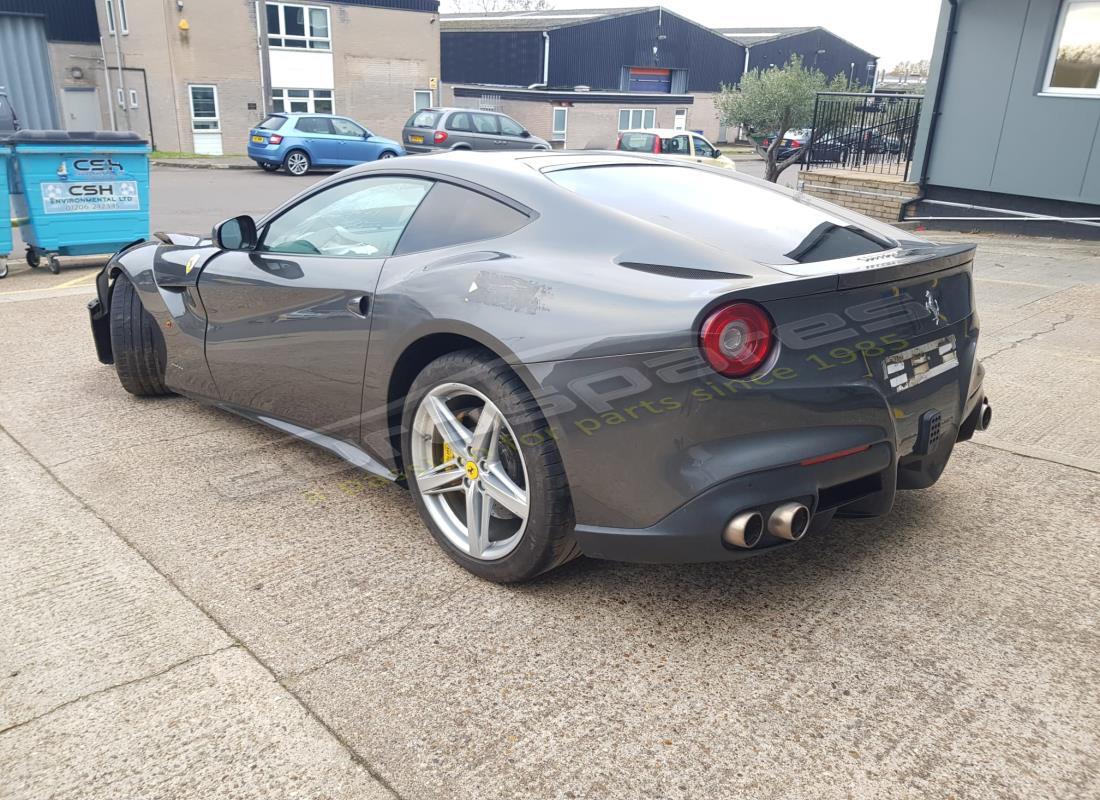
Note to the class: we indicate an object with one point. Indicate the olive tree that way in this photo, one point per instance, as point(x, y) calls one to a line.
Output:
point(773, 101)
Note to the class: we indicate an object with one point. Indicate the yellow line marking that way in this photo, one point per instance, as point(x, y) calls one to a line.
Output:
point(76, 281)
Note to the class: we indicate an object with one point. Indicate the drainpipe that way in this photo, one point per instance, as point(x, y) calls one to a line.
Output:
point(941, 80)
point(110, 91)
point(746, 69)
point(546, 58)
point(121, 75)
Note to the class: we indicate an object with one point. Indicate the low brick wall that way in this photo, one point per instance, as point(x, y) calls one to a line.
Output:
point(878, 196)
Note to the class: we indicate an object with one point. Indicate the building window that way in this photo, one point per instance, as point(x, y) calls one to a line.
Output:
point(123, 23)
point(422, 99)
point(303, 101)
point(560, 124)
point(636, 118)
point(204, 108)
point(1075, 58)
point(302, 27)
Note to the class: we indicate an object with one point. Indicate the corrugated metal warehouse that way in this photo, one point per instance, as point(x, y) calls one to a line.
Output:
point(647, 63)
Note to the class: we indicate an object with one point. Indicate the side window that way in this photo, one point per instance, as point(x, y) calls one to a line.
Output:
point(356, 219)
point(677, 146)
point(345, 127)
point(451, 215)
point(509, 127)
point(313, 125)
point(460, 122)
point(485, 123)
point(703, 147)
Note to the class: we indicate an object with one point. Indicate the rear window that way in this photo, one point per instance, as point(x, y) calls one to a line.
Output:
point(424, 119)
point(272, 123)
point(637, 142)
point(451, 215)
point(731, 213)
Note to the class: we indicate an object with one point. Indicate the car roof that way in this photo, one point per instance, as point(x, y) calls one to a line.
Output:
point(448, 109)
point(664, 133)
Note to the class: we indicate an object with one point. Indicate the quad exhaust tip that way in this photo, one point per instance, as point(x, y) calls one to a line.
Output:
point(789, 521)
point(985, 418)
point(744, 530)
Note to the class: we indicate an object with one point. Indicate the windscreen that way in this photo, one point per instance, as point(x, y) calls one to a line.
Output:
point(743, 217)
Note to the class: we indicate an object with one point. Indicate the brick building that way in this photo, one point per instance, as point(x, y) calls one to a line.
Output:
point(190, 74)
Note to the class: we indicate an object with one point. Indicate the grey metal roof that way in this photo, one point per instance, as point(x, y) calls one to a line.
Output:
point(531, 20)
point(747, 37)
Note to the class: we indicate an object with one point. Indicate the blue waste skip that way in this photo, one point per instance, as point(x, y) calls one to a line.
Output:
point(5, 210)
point(82, 193)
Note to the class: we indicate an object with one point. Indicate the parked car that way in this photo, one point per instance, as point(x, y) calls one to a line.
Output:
point(558, 359)
point(674, 143)
point(300, 142)
point(798, 142)
point(435, 129)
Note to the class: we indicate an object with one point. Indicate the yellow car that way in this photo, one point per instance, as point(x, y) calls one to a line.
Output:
point(674, 143)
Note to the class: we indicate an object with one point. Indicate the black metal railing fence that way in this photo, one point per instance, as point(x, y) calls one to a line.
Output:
point(865, 132)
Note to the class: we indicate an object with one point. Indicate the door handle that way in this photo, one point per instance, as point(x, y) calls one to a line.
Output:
point(359, 306)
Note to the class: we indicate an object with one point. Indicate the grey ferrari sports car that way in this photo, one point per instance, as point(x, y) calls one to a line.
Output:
point(597, 353)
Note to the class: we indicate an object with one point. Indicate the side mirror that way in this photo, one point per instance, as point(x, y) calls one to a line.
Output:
point(238, 233)
point(367, 134)
point(526, 134)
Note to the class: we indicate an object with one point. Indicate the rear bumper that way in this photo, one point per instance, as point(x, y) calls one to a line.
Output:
point(267, 154)
point(861, 484)
point(693, 532)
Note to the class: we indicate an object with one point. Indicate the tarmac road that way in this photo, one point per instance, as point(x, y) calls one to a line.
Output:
point(193, 607)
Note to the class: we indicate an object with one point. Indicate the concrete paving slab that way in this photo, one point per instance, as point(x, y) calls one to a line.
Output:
point(907, 657)
point(81, 611)
point(217, 726)
point(299, 555)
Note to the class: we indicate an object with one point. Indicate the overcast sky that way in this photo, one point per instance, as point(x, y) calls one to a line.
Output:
point(894, 30)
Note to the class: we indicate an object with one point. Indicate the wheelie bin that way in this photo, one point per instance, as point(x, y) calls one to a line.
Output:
point(82, 193)
point(5, 208)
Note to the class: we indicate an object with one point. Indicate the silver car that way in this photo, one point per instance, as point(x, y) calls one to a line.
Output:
point(435, 129)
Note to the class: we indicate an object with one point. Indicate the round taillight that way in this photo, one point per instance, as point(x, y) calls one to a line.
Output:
point(736, 339)
point(440, 137)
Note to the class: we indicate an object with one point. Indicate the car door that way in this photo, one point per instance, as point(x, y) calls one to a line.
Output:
point(316, 134)
point(486, 134)
point(355, 144)
point(702, 150)
point(288, 323)
point(679, 146)
point(460, 130)
point(511, 133)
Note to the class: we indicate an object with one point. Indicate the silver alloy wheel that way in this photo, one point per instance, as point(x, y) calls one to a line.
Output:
point(385, 155)
point(297, 163)
point(472, 477)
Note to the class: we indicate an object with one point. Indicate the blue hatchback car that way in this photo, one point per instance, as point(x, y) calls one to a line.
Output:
point(299, 142)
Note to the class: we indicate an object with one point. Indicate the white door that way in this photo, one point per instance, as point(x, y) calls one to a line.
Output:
point(81, 109)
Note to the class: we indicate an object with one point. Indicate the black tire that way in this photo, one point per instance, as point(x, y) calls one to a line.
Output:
point(270, 167)
point(548, 539)
point(136, 342)
point(34, 261)
point(54, 264)
point(3, 268)
point(387, 154)
point(291, 163)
